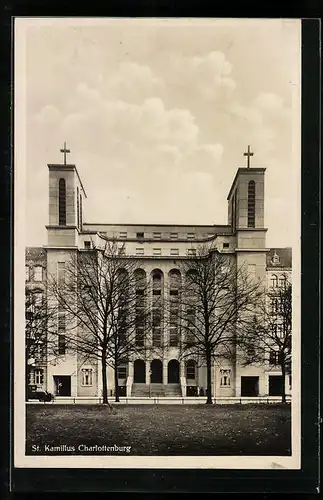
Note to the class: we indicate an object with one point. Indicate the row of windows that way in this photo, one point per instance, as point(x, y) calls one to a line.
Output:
point(157, 235)
point(35, 273)
point(157, 252)
point(278, 281)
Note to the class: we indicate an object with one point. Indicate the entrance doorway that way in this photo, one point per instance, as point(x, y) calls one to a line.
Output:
point(173, 372)
point(62, 384)
point(156, 371)
point(139, 372)
point(250, 386)
point(275, 385)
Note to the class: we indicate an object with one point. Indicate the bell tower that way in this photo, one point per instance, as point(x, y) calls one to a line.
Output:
point(66, 195)
point(246, 205)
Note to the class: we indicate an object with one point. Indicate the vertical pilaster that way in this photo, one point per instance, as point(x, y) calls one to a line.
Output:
point(147, 372)
point(165, 371)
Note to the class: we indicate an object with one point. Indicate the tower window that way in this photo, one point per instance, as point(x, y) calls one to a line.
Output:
point(62, 202)
point(251, 203)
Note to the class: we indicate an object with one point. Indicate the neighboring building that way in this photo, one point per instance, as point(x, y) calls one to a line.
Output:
point(36, 324)
point(278, 274)
point(159, 249)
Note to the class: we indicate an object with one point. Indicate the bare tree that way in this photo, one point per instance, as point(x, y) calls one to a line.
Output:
point(216, 298)
point(268, 337)
point(97, 295)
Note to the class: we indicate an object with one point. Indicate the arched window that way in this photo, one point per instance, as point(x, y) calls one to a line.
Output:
point(274, 280)
point(157, 317)
point(62, 202)
point(282, 281)
point(174, 277)
point(251, 203)
point(140, 289)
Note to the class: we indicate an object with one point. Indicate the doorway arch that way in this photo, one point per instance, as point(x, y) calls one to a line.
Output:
point(156, 371)
point(139, 372)
point(173, 372)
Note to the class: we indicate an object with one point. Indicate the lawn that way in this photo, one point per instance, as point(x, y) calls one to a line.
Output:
point(160, 430)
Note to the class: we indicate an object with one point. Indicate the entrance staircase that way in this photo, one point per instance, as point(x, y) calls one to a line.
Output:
point(156, 390)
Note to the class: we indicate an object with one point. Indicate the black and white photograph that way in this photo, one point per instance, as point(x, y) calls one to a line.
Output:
point(157, 243)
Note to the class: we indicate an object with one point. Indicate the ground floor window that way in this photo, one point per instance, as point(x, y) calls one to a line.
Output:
point(122, 371)
point(87, 376)
point(39, 377)
point(225, 380)
point(190, 369)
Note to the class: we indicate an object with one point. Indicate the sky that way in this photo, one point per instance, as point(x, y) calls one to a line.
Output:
point(157, 115)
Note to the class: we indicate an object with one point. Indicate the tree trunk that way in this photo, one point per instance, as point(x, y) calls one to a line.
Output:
point(116, 385)
point(283, 383)
point(209, 378)
point(104, 378)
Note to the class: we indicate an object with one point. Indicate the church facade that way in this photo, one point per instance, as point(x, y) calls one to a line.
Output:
point(158, 250)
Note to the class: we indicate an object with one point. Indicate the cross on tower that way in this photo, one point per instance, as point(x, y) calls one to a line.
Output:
point(64, 151)
point(248, 154)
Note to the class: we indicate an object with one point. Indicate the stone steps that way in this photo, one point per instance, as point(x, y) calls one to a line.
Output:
point(161, 390)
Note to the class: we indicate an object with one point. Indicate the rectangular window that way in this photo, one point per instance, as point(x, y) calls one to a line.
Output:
point(274, 358)
point(191, 252)
point(225, 380)
point(38, 299)
point(61, 344)
point(156, 251)
point(156, 337)
point(173, 337)
point(191, 236)
point(39, 377)
point(190, 337)
point(140, 235)
point(139, 337)
point(156, 236)
point(226, 245)
point(174, 251)
point(123, 235)
point(87, 376)
point(157, 292)
point(87, 244)
point(38, 273)
point(173, 236)
point(139, 251)
point(122, 371)
point(190, 371)
point(27, 270)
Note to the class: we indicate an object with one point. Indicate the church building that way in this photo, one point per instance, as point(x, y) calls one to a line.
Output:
point(158, 250)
